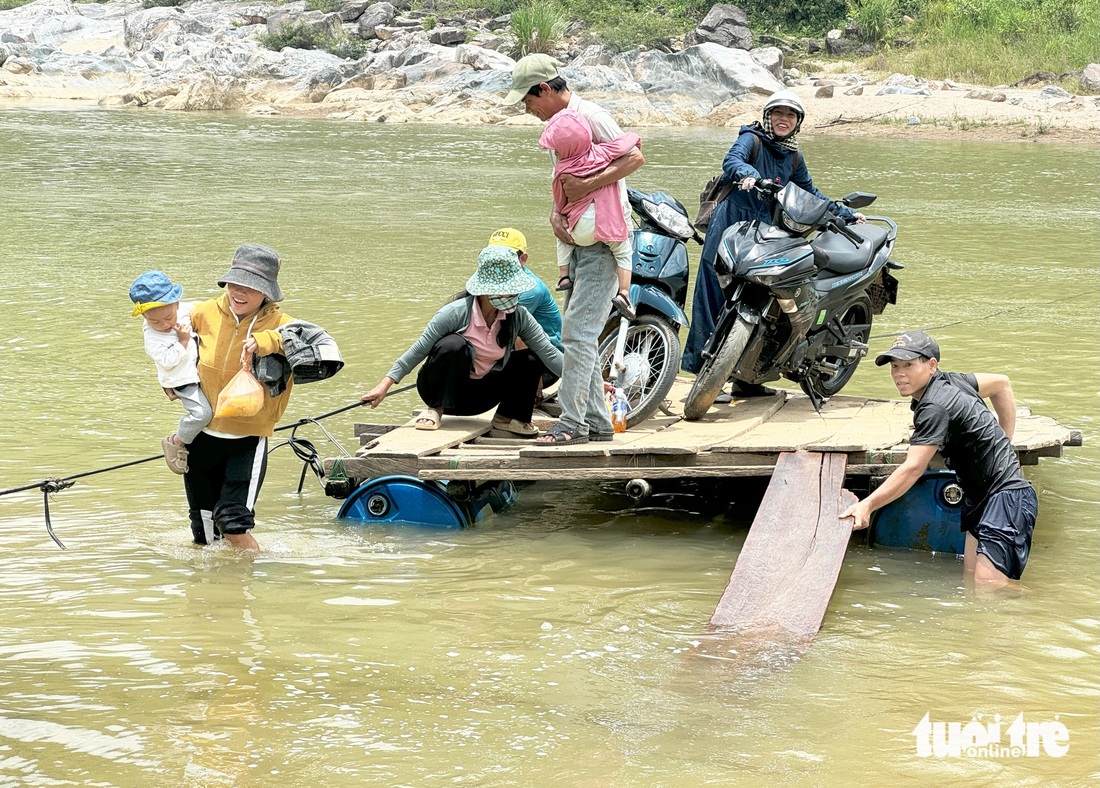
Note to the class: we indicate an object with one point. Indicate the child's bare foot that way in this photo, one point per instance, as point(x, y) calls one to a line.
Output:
point(243, 541)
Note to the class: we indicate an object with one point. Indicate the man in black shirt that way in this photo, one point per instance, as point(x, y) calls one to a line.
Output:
point(949, 415)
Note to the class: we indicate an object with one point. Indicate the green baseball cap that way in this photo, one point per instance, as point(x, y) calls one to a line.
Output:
point(530, 70)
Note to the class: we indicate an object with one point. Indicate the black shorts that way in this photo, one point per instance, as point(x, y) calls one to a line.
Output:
point(1003, 528)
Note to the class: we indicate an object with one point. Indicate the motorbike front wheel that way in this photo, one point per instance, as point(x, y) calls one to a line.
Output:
point(650, 360)
point(716, 371)
point(825, 386)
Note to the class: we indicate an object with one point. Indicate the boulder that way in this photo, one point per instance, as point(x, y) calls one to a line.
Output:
point(447, 36)
point(839, 47)
point(1054, 92)
point(771, 58)
point(374, 17)
point(209, 92)
point(1090, 77)
point(171, 26)
point(482, 59)
point(352, 10)
point(701, 77)
point(824, 92)
point(726, 25)
point(18, 65)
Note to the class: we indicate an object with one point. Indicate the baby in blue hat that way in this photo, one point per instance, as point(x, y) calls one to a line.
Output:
point(169, 343)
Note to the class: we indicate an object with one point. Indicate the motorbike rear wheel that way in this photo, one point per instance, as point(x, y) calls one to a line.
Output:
point(822, 386)
point(651, 358)
point(716, 371)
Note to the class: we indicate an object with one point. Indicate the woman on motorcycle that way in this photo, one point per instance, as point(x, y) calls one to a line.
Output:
point(764, 150)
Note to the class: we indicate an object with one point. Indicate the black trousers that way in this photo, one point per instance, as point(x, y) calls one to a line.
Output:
point(222, 482)
point(444, 382)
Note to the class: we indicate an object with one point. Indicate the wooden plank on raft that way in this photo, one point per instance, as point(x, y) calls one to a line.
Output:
point(722, 423)
point(789, 565)
point(407, 441)
point(844, 424)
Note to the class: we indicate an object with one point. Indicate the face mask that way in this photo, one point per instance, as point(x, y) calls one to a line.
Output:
point(506, 304)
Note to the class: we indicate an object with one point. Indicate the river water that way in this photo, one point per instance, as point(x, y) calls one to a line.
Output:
point(557, 643)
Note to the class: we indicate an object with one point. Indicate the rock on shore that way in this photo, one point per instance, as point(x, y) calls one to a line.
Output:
point(207, 55)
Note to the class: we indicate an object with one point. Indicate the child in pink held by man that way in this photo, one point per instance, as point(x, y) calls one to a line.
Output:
point(599, 215)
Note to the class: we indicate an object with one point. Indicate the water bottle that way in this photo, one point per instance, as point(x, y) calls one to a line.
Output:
point(619, 408)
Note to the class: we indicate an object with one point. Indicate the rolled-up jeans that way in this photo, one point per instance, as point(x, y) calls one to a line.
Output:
point(583, 408)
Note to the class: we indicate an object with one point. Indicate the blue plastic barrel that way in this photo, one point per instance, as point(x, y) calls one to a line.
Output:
point(407, 500)
point(403, 500)
point(927, 517)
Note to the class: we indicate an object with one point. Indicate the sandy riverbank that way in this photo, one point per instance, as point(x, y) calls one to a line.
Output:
point(949, 112)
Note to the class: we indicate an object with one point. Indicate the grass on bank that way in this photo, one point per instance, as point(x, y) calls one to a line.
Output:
point(996, 42)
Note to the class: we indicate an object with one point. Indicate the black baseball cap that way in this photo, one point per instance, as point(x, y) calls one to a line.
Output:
point(910, 345)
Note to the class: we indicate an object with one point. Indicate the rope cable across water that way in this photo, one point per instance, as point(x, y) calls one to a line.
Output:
point(302, 448)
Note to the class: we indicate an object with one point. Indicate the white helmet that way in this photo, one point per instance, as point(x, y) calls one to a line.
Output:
point(786, 98)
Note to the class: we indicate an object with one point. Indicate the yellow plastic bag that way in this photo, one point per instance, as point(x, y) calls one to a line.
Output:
point(243, 396)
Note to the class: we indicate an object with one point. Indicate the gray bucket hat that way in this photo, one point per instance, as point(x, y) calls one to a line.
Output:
point(257, 267)
point(499, 273)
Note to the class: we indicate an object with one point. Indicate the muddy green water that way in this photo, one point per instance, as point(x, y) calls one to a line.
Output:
point(557, 644)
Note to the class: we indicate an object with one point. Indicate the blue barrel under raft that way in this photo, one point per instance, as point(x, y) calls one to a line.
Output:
point(927, 517)
point(407, 500)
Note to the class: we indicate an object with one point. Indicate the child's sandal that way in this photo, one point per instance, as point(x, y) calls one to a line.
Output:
point(565, 282)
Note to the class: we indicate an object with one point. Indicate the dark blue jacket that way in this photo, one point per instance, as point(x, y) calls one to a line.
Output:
point(772, 161)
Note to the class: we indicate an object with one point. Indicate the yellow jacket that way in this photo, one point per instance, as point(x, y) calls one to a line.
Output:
point(221, 339)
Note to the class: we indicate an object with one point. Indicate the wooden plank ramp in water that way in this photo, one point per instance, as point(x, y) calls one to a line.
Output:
point(785, 574)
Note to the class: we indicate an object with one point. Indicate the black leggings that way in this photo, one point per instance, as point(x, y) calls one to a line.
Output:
point(444, 382)
point(222, 483)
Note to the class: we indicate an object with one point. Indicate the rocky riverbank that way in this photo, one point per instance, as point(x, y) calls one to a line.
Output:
point(207, 55)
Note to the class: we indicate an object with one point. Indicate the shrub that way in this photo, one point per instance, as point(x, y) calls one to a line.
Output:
point(538, 28)
point(633, 29)
point(874, 19)
point(161, 3)
point(299, 35)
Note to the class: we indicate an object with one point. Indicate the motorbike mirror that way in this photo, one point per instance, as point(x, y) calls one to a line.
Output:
point(859, 199)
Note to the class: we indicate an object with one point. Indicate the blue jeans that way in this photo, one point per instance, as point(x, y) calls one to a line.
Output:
point(583, 408)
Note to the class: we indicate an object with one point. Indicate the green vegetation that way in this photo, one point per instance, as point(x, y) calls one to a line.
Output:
point(538, 28)
point(995, 42)
point(299, 35)
point(160, 3)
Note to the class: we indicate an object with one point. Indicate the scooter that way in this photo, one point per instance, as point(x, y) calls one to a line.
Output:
point(642, 356)
point(801, 293)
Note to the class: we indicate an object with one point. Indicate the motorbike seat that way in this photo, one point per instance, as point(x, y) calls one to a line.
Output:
point(844, 256)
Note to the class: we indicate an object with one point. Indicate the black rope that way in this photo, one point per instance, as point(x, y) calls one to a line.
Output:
point(304, 450)
point(987, 317)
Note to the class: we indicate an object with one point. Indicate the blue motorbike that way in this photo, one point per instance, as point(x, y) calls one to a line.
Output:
point(642, 356)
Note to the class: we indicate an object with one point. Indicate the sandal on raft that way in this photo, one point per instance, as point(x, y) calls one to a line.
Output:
point(565, 283)
point(559, 435)
point(622, 304)
point(428, 419)
point(515, 427)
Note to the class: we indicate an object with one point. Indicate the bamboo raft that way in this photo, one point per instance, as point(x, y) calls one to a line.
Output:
point(743, 438)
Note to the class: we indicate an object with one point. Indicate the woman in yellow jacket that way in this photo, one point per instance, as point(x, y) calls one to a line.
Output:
point(228, 459)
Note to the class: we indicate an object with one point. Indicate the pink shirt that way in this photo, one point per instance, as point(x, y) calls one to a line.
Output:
point(483, 339)
point(569, 135)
